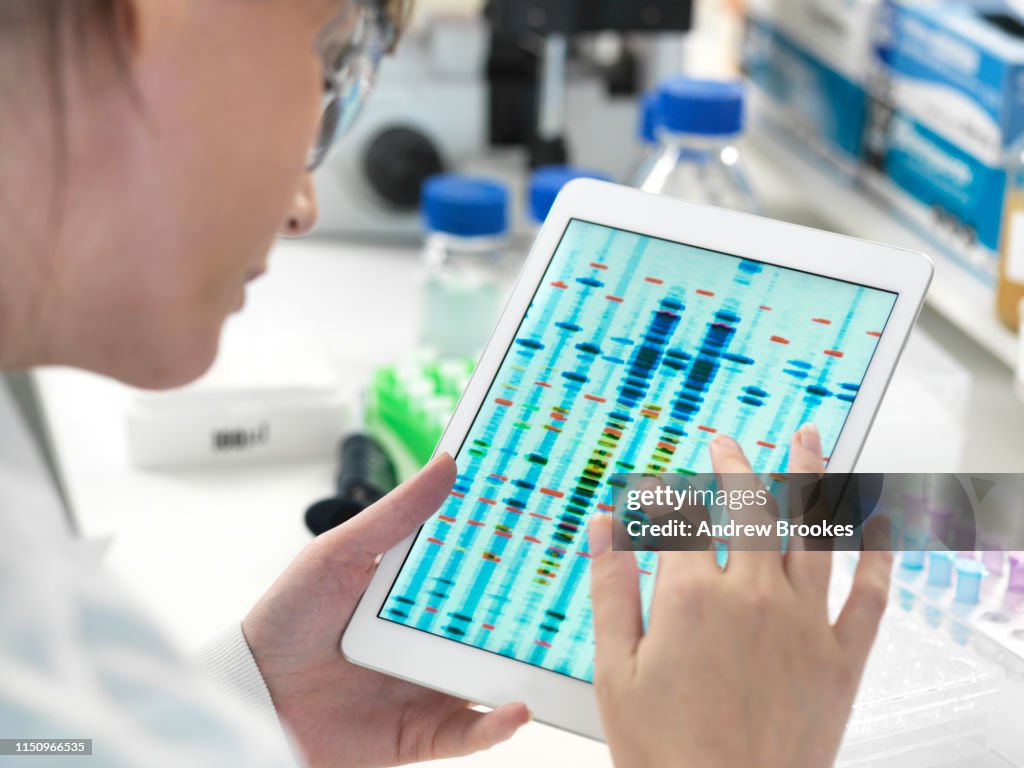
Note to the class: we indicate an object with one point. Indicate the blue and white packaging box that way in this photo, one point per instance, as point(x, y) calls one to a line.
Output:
point(810, 61)
point(947, 111)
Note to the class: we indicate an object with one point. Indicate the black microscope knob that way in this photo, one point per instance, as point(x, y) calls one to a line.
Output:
point(397, 162)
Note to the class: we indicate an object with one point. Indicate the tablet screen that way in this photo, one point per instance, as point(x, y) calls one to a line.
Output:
point(633, 354)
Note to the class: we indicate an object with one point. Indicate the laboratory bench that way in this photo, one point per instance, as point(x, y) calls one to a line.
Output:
point(198, 546)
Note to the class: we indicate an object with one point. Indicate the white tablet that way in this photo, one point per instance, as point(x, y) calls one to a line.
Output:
point(641, 326)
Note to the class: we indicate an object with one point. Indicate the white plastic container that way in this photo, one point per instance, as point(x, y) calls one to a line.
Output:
point(265, 399)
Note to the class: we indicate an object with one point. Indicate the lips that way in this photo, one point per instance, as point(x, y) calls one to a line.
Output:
point(253, 273)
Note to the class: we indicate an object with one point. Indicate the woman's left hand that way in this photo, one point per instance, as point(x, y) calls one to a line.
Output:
point(343, 714)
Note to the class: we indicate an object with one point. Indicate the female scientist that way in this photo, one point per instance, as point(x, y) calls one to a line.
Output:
point(150, 152)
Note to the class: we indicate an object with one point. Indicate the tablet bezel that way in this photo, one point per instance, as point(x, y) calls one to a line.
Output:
point(488, 678)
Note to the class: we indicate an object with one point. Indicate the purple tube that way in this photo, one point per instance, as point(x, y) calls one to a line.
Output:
point(1016, 583)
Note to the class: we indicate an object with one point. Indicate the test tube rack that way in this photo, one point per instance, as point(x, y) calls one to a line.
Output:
point(409, 405)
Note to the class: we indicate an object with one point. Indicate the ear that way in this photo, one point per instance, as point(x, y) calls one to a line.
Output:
point(147, 24)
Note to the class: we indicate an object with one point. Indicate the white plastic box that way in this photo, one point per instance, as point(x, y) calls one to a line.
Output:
point(268, 398)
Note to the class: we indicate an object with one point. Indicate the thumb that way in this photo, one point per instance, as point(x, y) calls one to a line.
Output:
point(469, 731)
point(384, 524)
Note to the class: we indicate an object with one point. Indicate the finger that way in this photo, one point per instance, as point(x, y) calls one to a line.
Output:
point(683, 513)
point(614, 595)
point(382, 525)
point(748, 553)
point(694, 558)
point(858, 622)
point(805, 452)
point(468, 731)
point(809, 567)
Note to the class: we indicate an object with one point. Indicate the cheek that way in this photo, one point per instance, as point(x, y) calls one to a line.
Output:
point(238, 123)
point(231, 123)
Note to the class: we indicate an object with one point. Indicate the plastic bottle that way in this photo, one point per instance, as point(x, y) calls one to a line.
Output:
point(699, 160)
point(647, 132)
point(547, 181)
point(467, 226)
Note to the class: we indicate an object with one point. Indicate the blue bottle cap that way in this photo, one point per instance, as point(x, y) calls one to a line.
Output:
point(940, 568)
point(650, 117)
point(548, 180)
point(703, 107)
point(465, 206)
point(969, 574)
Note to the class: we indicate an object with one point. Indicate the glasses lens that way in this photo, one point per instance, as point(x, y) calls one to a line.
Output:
point(326, 133)
point(350, 70)
point(396, 13)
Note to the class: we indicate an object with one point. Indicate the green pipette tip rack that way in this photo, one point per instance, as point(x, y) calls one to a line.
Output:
point(409, 405)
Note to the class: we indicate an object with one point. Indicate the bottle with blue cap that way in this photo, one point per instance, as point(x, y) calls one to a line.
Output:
point(466, 219)
point(699, 161)
point(547, 181)
point(647, 132)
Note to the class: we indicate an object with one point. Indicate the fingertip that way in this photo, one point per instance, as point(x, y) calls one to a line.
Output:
point(599, 534)
point(523, 714)
point(722, 449)
point(724, 444)
point(506, 720)
point(443, 461)
point(808, 438)
point(727, 456)
point(877, 534)
point(805, 452)
point(441, 470)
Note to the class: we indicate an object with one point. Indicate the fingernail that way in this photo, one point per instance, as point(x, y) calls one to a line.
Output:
point(810, 438)
point(724, 443)
point(599, 534)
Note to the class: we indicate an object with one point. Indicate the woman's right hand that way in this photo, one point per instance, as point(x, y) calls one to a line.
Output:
point(737, 667)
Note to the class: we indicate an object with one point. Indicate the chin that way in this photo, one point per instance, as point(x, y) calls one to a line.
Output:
point(169, 369)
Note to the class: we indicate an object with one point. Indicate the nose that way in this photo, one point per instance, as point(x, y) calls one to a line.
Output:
point(303, 211)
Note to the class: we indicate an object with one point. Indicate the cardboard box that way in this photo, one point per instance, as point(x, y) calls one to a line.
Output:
point(946, 113)
point(812, 60)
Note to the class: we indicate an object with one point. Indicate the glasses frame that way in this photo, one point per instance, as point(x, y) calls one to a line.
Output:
point(351, 48)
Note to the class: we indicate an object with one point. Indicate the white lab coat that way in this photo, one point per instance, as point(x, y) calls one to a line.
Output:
point(80, 660)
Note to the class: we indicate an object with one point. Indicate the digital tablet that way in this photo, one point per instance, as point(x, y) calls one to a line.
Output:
point(639, 329)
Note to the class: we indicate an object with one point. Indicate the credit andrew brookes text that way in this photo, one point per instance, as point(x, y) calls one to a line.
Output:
point(841, 511)
point(735, 530)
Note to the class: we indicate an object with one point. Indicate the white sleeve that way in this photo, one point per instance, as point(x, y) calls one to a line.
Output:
point(229, 660)
point(79, 657)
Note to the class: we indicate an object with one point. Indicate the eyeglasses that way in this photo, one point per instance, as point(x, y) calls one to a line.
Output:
point(351, 48)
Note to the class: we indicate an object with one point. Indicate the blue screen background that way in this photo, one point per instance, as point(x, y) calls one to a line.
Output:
point(633, 354)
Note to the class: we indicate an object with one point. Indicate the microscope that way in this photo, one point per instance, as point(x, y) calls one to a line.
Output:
point(526, 83)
